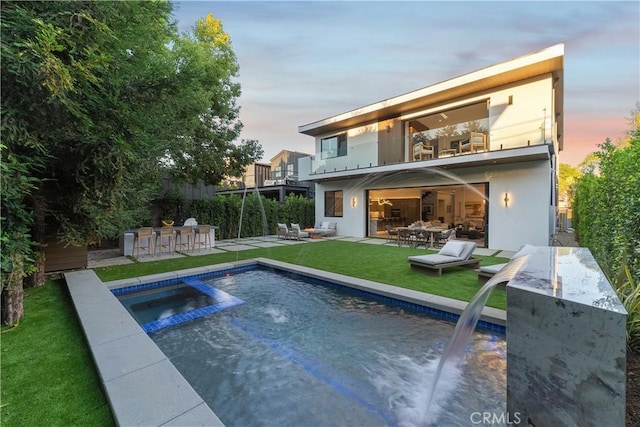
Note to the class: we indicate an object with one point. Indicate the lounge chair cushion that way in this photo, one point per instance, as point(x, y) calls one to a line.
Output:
point(525, 250)
point(434, 259)
point(325, 225)
point(492, 269)
point(453, 248)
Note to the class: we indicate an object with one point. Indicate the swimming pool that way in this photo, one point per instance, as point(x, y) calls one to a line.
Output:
point(298, 353)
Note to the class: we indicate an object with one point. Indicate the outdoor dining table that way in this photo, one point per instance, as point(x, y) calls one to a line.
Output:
point(430, 230)
point(128, 237)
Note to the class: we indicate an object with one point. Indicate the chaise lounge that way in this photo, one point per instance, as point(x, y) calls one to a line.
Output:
point(455, 253)
point(488, 271)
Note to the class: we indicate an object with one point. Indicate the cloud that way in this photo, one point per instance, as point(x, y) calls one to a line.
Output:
point(304, 61)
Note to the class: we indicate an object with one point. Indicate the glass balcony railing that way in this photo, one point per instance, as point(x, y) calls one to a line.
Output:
point(461, 139)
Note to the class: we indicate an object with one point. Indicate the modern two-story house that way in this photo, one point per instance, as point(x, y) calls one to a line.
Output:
point(478, 152)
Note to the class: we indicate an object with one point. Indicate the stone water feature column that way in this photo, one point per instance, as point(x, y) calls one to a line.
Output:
point(566, 342)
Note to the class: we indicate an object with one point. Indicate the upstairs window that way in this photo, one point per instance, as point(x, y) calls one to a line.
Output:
point(335, 146)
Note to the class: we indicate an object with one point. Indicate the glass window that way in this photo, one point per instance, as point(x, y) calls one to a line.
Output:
point(333, 203)
point(335, 146)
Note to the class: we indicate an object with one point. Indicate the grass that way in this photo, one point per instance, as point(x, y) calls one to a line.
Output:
point(379, 263)
point(48, 376)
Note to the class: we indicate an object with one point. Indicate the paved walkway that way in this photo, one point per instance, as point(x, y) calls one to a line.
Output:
point(567, 238)
point(109, 257)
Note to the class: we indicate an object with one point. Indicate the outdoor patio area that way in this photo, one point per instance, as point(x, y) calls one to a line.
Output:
point(109, 257)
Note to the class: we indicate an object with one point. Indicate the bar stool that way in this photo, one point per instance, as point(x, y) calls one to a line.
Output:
point(146, 234)
point(202, 231)
point(166, 232)
point(181, 233)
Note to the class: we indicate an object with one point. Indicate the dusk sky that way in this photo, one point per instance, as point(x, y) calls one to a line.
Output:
point(305, 61)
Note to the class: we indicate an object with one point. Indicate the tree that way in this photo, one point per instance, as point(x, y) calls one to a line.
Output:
point(204, 152)
point(94, 96)
point(567, 177)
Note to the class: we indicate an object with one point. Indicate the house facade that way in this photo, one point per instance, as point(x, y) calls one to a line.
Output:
point(478, 152)
point(275, 180)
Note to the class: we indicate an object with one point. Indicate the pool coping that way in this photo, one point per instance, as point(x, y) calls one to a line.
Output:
point(142, 386)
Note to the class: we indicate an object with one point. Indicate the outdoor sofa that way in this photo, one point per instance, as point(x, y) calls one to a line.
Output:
point(325, 228)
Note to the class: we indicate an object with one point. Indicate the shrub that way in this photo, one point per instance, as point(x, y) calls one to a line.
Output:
point(628, 291)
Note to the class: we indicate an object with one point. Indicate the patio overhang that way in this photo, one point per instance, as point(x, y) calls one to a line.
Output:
point(547, 61)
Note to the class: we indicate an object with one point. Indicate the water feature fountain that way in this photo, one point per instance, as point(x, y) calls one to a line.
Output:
point(566, 342)
point(454, 351)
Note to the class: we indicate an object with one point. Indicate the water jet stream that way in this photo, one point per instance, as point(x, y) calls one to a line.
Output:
point(454, 351)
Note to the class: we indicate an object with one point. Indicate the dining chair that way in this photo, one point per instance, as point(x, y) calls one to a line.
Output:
point(392, 234)
point(165, 233)
point(144, 234)
point(202, 231)
point(182, 233)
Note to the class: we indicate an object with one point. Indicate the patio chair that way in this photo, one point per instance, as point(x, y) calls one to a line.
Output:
point(488, 271)
point(144, 234)
point(455, 253)
point(418, 237)
point(444, 236)
point(420, 150)
point(403, 236)
point(165, 234)
point(283, 231)
point(477, 141)
point(202, 237)
point(296, 233)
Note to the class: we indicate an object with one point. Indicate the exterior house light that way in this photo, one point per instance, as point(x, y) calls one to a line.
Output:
point(506, 200)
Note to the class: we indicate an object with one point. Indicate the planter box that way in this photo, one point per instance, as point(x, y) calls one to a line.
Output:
point(58, 257)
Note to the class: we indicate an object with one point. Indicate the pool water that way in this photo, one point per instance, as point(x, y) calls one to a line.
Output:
point(165, 302)
point(157, 306)
point(298, 353)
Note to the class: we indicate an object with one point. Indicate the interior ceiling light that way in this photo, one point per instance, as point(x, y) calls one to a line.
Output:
point(444, 116)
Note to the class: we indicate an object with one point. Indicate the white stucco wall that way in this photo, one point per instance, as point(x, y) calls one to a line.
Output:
point(526, 120)
point(352, 222)
point(526, 219)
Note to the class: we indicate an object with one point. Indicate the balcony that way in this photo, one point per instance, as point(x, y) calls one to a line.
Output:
point(313, 169)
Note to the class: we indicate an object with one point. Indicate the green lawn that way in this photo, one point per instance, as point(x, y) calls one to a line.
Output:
point(379, 263)
point(48, 377)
